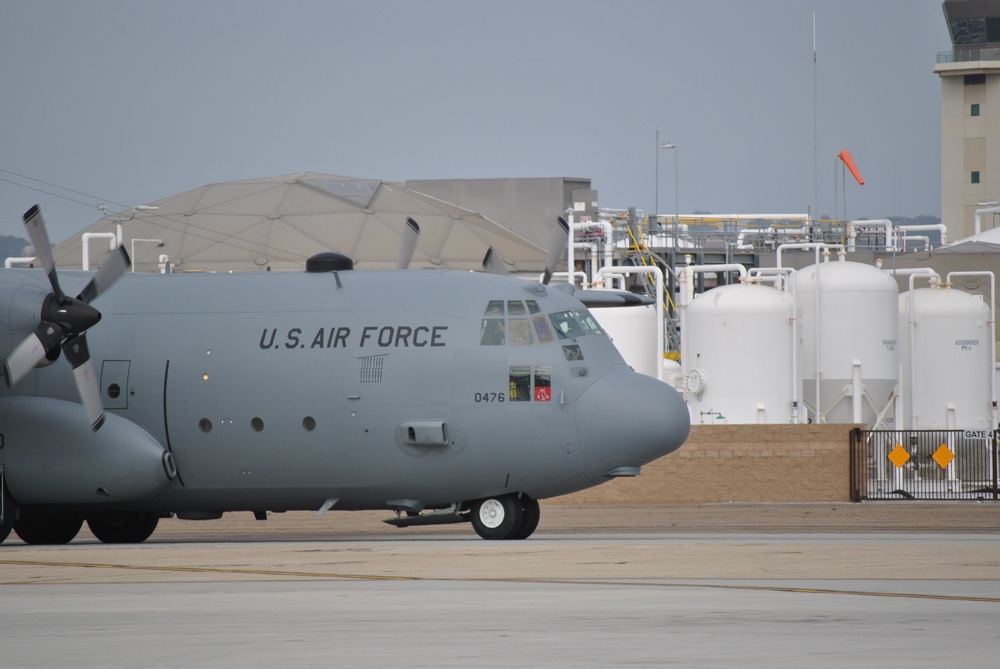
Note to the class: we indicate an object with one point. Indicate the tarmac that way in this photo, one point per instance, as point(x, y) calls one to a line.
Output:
point(898, 584)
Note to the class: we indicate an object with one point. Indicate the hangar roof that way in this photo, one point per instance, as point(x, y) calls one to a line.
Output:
point(278, 222)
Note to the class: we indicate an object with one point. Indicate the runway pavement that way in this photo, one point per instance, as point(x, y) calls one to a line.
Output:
point(828, 586)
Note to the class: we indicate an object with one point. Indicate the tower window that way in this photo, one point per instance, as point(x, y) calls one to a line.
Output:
point(975, 177)
point(973, 79)
point(974, 110)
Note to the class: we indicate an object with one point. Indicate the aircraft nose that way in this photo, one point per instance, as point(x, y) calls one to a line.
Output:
point(625, 420)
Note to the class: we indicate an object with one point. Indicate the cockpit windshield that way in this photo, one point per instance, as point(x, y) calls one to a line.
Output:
point(522, 323)
point(566, 325)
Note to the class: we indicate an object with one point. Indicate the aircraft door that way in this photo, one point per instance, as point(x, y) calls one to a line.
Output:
point(114, 383)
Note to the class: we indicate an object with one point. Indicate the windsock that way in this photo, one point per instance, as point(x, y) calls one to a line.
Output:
point(845, 156)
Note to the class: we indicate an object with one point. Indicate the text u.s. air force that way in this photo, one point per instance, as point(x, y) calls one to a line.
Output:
point(368, 336)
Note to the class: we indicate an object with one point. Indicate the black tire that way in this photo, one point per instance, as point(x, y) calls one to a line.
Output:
point(532, 514)
point(5, 529)
point(496, 518)
point(48, 530)
point(129, 528)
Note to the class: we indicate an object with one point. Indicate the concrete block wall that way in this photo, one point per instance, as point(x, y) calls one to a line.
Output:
point(739, 463)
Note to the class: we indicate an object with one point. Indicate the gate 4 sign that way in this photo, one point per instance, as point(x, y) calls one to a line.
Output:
point(981, 435)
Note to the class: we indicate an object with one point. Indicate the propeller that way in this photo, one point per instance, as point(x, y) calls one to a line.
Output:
point(408, 244)
point(556, 248)
point(493, 263)
point(64, 321)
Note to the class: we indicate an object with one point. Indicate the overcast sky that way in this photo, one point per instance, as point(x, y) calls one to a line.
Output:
point(129, 102)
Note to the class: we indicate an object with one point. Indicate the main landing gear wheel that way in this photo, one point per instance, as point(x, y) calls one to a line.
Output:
point(129, 528)
point(48, 530)
point(532, 514)
point(497, 517)
point(5, 529)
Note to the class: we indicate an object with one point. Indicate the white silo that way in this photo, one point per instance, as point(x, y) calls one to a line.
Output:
point(848, 339)
point(633, 330)
point(738, 344)
point(946, 345)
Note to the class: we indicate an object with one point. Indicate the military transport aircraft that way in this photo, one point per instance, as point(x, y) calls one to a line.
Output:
point(442, 396)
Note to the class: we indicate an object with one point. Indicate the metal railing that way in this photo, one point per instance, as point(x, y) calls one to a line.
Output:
point(924, 464)
point(968, 55)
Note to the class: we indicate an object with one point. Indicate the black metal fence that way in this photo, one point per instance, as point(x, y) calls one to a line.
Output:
point(924, 464)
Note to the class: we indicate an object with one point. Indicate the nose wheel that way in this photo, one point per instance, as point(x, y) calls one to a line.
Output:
point(505, 517)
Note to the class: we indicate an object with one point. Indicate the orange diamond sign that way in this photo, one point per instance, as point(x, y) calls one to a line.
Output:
point(943, 456)
point(898, 456)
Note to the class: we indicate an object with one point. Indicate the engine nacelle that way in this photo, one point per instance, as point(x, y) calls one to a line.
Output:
point(49, 455)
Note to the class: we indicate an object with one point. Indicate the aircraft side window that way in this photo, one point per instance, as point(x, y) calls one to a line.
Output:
point(566, 325)
point(542, 329)
point(533, 307)
point(519, 332)
point(492, 333)
point(588, 322)
point(543, 383)
point(520, 384)
point(515, 308)
point(494, 308)
point(572, 352)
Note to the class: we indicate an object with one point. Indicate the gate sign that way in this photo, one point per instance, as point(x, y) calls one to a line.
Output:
point(982, 435)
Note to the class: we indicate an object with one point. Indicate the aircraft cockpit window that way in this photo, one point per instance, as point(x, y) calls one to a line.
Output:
point(566, 325)
point(543, 383)
point(589, 323)
point(542, 329)
point(572, 352)
point(494, 308)
point(519, 332)
point(529, 384)
point(515, 308)
point(518, 329)
point(492, 333)
point(520, 384)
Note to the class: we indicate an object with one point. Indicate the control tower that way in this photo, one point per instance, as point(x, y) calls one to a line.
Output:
point(970, 115)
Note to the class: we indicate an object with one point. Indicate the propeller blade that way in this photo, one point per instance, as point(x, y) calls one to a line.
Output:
point(31, 351)
point(112, 267)
point(35, 225)
point(556, 248)
point(408, 244)
point(493, 263)
point(78, 355)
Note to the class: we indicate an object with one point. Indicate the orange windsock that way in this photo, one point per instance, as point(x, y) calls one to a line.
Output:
point(845, 155)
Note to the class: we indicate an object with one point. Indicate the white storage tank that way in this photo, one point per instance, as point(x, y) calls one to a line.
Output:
point(848, 340)
point(738, 343)
point(633, 330)
point(946, 354)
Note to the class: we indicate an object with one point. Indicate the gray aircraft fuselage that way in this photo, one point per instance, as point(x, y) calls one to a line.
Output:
point(354, 389)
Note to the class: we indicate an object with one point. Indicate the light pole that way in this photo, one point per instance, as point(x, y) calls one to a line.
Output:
point(656, 207)
point(676, 149)
point(673, 244)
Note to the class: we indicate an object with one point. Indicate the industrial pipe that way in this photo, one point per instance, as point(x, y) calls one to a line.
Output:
point(979, 217)
point(853, 226)
point(87, 236)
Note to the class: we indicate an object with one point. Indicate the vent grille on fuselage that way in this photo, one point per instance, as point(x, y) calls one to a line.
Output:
point(371, 369)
